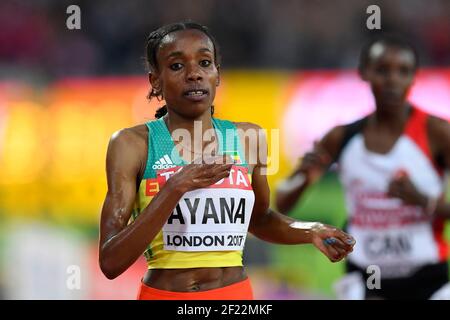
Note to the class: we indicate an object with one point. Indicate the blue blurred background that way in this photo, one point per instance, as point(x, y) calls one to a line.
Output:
point(287, 65)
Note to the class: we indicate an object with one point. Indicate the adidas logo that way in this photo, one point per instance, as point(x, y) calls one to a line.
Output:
point(163, 163)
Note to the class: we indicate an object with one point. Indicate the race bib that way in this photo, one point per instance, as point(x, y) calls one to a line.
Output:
point(397, 251)
point(396, 237)
point(215, 218)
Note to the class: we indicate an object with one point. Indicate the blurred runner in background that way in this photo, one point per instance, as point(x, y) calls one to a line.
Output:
point(391, 164)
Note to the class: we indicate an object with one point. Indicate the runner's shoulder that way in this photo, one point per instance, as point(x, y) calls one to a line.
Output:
point(247, 125)
point(247, 130)
point(336, 134)
point(437, 126)
point(333, 139)
point(130, 139)
point(439, 133)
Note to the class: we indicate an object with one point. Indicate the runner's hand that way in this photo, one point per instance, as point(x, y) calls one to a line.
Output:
point(201, 174)
point(402, 187)
point(332, 242)
point(314, 163)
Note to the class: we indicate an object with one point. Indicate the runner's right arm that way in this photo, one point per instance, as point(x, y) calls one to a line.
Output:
point(121, 243)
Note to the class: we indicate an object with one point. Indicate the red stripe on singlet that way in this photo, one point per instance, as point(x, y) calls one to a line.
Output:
point(438, 233)
point(416, 129)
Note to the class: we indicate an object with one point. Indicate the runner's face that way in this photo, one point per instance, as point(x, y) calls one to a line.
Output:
point(187, 73)
point(390, 72)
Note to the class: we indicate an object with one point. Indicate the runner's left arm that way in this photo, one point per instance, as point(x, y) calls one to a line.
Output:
point(274, 227)
point(403, 188)
point(439, 132)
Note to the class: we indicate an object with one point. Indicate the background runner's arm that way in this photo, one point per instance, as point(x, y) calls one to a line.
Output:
point(312, 167)
point(441, 134)
point(439, 141)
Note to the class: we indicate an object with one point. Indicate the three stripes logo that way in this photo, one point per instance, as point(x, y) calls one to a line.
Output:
point(163, 163)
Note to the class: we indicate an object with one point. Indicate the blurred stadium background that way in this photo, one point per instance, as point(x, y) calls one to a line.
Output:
point(287, 65)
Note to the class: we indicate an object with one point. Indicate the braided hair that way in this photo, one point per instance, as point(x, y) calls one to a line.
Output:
point(152, 46)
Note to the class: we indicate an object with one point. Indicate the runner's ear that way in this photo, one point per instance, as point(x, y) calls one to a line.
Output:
point(218, 75)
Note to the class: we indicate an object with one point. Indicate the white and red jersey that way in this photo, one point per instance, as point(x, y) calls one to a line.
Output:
point(399, 238)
